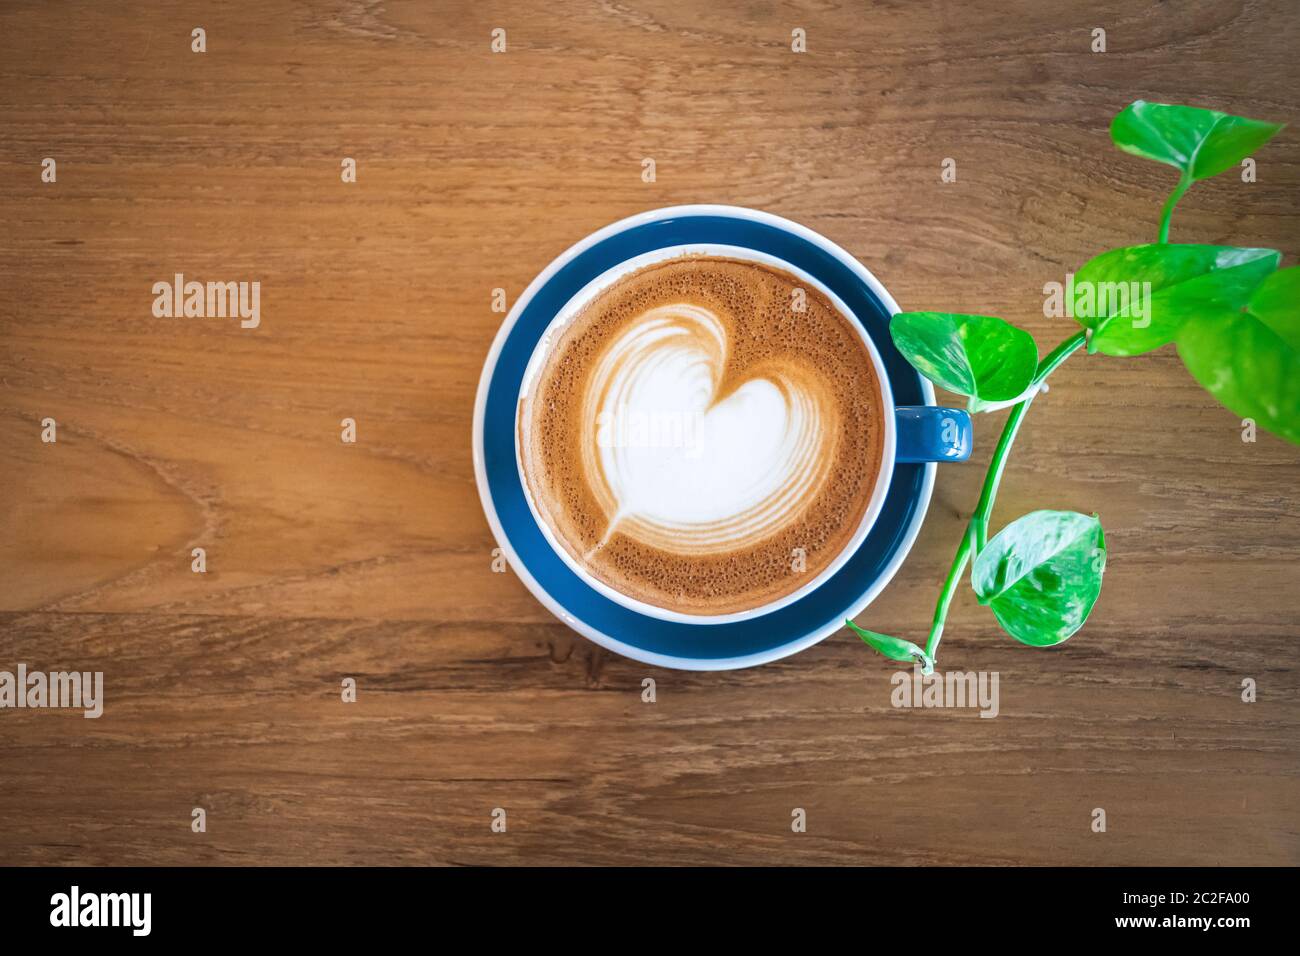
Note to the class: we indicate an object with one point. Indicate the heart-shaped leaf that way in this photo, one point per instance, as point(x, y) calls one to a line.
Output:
point(1135, 299)
point(895, 648)
point(1250, 360)
point(1041, 575)
point(980, 356)
point(1198, 143)
point(1276, 303)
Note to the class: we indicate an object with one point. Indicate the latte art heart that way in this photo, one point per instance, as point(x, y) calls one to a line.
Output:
point(696, 442)
point(681, 466)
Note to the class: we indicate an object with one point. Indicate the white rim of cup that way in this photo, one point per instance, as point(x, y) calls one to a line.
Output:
point(498, 531)
point(875, 503)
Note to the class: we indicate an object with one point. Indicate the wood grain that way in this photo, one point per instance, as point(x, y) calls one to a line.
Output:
point(372, 560)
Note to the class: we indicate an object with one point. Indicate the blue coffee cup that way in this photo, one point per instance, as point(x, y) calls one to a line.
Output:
point(918, 434)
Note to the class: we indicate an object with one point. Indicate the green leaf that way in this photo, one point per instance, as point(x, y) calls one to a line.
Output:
point(1276, 303)
point(1041, 575)
point(1135, 299)
point(1198, 143)
point(1250, 360)
point(981, 356)
point(895, 648)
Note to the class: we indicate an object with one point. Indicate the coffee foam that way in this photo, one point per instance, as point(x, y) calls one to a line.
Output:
point(774, 428)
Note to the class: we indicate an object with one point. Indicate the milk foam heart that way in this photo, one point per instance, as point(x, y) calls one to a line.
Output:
point(682, 468)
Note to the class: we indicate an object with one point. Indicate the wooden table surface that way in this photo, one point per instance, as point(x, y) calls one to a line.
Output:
point(373, 560)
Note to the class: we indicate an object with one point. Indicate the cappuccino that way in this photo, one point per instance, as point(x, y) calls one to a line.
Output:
point(704, 436)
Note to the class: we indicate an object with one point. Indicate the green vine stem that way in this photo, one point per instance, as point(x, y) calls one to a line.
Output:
point(976, 534)
point(1184, 183)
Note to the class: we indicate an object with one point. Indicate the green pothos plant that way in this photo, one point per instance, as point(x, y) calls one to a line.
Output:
point(1233, 315)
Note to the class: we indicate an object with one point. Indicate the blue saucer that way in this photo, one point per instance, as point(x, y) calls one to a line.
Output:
point(652, 640)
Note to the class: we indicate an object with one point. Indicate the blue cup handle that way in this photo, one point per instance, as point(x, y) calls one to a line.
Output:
point(929, 433)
